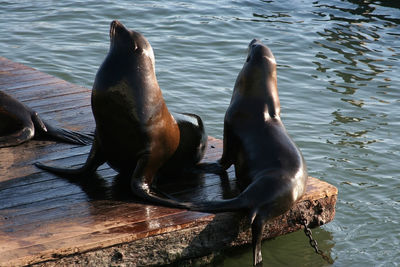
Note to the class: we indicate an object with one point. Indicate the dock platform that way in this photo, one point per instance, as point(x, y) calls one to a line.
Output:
point(46, 220)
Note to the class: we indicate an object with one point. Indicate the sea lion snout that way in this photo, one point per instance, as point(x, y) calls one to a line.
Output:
point(124, 40)
point(117, 29)
point(117, 24)
point(258, 51)
point(254, 41)
point(112, 28)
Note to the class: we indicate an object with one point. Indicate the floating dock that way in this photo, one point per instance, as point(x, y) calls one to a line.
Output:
point(50, 221)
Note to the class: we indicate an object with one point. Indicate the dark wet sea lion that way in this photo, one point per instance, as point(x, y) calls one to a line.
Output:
point(135, 133)
point(256, 142)
point(18, 124)
point(192, 145)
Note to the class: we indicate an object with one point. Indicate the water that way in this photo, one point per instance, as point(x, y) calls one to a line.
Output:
point(338, 79)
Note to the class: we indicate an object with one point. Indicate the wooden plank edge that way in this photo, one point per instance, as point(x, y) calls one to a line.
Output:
point(52, 256)
point(203, 239)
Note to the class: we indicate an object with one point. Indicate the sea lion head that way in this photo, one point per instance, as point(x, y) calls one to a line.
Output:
point(129, 43)
point(258, 77)
point(261, 54)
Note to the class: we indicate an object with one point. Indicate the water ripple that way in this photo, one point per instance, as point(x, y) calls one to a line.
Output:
point(338, 65)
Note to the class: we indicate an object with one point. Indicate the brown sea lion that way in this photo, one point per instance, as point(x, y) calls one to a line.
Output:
point(135, 133)
point(19, 123)
point(256, 142)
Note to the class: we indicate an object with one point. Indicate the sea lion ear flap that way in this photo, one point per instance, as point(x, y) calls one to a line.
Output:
point(135, 47)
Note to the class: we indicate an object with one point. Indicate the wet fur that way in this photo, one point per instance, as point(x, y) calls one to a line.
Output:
point(256, 142)
point(20, 124)
point(135, 133)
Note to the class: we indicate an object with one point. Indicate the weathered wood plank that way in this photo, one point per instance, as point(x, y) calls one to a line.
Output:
point(95, 238)
point(48, 220)
point(26, 75)
point(206, 236)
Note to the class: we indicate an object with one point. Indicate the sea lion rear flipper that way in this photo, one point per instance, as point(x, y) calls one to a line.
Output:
point(229, 147)
point(69, 136)
point(140, 187)
point(64, 135)
point(17, 138)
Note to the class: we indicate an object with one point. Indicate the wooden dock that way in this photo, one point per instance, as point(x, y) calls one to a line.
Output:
point(50, 221)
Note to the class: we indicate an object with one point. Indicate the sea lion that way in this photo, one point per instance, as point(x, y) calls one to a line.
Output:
point(135, 133)
point(256, 142)
point(19, 124)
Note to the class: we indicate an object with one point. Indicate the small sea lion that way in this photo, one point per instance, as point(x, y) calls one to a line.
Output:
point(255, 140)
point(19, 123)
point(135, 133)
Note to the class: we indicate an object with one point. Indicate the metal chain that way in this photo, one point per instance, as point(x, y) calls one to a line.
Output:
point(313, 242)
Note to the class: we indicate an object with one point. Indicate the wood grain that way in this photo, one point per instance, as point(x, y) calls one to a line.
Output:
point(46, 218)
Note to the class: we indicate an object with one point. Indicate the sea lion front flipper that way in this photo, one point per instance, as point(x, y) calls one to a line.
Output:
point(229, 147)
point(94, 160)
point(59, 134)
point(256, 232)
point(17, 138)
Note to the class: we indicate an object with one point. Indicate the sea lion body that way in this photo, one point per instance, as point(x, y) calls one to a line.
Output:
point(135, 133)
point(19, 124)
point(191, 148)
point(267, 161)
point(130, 113)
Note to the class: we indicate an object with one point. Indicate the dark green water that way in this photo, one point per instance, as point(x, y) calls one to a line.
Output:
point(338, 79)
